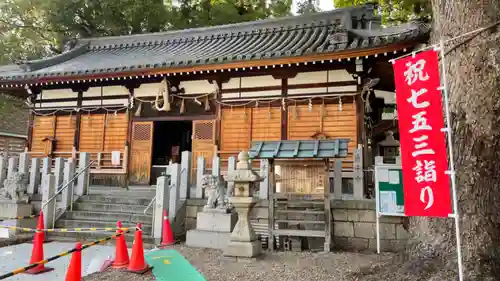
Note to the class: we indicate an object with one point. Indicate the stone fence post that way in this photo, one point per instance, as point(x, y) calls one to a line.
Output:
point(34, 176)
point(3, 169)
point(200, 171)
point(186, 174)
point(67, 194)
point(175, 182)
point(162, 203)
point(83, 178)
point(48, 190)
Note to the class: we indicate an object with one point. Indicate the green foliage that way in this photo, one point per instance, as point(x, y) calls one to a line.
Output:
point(307, 7)
point(394, 11)
point(32, 29)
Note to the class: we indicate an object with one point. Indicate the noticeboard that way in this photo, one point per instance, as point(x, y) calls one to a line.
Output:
point(389, 190)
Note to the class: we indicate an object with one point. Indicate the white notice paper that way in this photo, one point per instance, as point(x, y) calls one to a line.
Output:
point(388, 202)
point(393, 177)
point(115, 158)
point(383, 175)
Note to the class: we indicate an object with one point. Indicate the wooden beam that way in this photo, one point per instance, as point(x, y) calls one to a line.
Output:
point(176, 118)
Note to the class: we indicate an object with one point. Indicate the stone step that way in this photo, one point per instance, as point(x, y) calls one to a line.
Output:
point(38, 197)
point(149, 242)
point(107, 216)
point(109, 207)
point(145, 194)
point(68, 223)
point(120, 188)
point(116, 199)
point(136, 193)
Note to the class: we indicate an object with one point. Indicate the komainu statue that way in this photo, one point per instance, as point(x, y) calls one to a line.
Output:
point(14, 188)
point(215, 192)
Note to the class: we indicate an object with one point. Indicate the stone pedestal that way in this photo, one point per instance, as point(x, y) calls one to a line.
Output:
point(213, 229)
point(10, 209)
point(243, 240)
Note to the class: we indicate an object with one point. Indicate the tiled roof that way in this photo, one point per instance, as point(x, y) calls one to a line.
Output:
point(287, 149)
point(320, 33)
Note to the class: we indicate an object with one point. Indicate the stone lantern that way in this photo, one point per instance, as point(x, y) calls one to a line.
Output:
point(389, 148)
point(243, 241)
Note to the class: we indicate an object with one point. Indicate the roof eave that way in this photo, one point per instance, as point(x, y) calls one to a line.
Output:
point(127, 74)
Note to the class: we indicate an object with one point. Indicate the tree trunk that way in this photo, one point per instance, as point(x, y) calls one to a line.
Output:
point(473, 74)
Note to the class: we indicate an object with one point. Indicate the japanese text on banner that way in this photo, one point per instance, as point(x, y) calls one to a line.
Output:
point(423, 147)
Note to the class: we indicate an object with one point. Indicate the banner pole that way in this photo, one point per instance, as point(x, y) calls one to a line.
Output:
point(451, 171)
point(377, 209)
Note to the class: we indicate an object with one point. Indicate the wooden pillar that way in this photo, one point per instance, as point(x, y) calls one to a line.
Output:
point(264, 184)
point(31, 120)
point(337, 180)
point(272, 188)
point(284, 113)
point(76, 141)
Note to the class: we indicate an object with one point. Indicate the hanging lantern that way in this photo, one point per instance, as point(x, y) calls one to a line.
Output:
point(310, 105)
point(340, 104)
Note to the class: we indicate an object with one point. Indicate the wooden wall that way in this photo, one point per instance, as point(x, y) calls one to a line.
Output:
point(238, 129)
point(13, 145)
point(98, 133)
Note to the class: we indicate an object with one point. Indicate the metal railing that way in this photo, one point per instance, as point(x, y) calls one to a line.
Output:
point(149, 205)
point(62, 187)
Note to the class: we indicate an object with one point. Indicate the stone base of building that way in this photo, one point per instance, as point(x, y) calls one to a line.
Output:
point(8, 210)
point(213, 230)
point(243, 249)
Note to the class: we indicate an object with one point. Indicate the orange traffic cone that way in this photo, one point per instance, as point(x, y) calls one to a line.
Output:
point(137, 262)
point(41, 223)
point(75, 266)
point(37, 250)
point(121, 253)
point(167, 235)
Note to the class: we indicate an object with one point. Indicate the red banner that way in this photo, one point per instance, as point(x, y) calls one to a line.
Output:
point(423, 148)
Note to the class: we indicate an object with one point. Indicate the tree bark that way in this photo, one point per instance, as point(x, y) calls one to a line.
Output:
point(473, 73)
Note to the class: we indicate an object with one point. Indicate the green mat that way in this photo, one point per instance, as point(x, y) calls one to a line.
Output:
point(169, 265)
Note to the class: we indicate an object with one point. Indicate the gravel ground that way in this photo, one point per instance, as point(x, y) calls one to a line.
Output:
point(277, 266)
